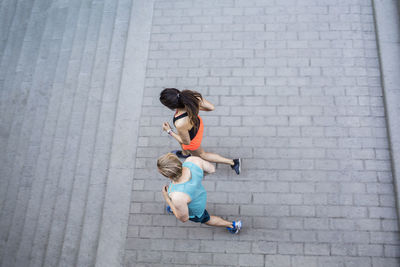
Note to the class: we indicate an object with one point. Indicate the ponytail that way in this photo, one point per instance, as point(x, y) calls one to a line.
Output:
point(187, 99)
point(191, 101)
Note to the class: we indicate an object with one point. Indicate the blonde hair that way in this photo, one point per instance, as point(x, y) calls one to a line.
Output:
point(170, 166)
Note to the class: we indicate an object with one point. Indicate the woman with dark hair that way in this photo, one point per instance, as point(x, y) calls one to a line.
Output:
point(189, 125)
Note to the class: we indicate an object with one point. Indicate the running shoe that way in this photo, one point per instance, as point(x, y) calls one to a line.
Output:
point(236, 166)
point(168, 209)
point(179, 154)
point(236, 227)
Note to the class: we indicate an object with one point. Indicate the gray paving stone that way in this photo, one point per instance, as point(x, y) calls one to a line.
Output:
point(290, 248)
point(278, 260)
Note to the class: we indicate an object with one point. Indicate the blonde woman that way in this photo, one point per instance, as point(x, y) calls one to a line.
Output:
point(185, 194)
point(189, 125)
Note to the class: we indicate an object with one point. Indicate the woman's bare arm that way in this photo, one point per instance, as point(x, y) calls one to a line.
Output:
point(182, 136)
point(179, 206)
point(178, 203)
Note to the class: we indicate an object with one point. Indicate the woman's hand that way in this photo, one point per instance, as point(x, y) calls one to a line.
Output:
point(166, 126)
point(205, 105)
point(165, 191)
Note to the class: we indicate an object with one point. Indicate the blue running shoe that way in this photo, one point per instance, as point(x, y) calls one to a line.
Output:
point(237, 165)
point(169, 210)
point(236, 227)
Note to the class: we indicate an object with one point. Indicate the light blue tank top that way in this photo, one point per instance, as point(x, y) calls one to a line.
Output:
point(194, 189)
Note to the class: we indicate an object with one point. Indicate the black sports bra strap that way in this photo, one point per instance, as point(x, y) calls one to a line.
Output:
point(180, 116)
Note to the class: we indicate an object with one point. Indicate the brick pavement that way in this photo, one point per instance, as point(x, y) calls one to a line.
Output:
point(296, 85)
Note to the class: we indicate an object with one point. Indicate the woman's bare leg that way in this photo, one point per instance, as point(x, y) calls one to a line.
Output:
point(211, 156)
point(218, 221)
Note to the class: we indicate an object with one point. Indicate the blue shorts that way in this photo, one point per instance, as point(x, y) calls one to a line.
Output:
point(205, 217)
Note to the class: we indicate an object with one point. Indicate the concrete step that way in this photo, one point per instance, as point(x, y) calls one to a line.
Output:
point(11, 21)
point(64, 132)
point(75, 175)
point(48, 142)
point(77, 238)
point(16, 146)
point(19, 67)
point(33, 124)
point(10, 59)
point(114, 220)
point(8, 69)
point(96, 190)
point(7, 11)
